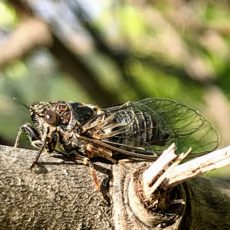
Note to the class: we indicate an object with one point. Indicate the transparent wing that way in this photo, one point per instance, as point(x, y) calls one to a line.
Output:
point(154, 124)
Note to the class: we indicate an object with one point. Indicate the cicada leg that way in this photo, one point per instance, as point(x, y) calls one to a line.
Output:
point(96, 151)
point(33, 136)
point(87, 161)
point(31, 133)
point(38, 155)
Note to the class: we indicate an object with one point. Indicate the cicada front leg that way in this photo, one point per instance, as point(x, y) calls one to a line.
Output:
point(34, 138)
point(31, 133)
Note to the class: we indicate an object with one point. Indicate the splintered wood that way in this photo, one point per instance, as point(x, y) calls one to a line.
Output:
point(166, 172)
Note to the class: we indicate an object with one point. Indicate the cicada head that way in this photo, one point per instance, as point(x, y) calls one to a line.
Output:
point(46, 121)
point(42, 114)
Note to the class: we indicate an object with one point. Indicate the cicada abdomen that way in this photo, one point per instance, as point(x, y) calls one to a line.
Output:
point(140, 128)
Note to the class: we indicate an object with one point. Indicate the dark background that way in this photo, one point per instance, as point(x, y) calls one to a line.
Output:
point(107, 52)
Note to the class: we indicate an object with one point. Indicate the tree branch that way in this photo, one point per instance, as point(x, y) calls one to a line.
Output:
point(54, 195)
point(62, 195)
point(165, 172)
point(200, 165)
point(30, 34)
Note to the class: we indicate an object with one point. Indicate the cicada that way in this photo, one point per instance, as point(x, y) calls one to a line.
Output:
point(134, 130)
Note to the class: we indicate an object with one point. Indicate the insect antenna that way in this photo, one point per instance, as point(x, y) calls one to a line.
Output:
point(20, 103)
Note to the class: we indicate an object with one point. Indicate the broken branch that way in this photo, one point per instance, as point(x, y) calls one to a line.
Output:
point(166, 173)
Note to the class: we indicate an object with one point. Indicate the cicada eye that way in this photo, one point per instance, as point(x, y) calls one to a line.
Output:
point(51, 118)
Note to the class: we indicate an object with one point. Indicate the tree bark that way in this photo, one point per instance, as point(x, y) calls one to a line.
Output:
point(54, 195)
point(58, 194)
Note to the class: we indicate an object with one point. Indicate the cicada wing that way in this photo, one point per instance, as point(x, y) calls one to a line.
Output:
point(155, 123)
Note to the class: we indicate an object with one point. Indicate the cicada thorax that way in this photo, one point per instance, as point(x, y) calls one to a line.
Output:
point(76, 120)
point(68, 111)
point(63, 110)
point(72, 111)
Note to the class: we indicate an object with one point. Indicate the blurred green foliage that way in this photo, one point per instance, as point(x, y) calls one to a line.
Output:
point(8, 15)
point(34, 79)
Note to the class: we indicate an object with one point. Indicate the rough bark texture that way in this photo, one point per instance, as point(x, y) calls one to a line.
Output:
point(54, 195)
point(62, 195)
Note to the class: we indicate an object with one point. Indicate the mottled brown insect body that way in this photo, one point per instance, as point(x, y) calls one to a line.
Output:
point(139, 130)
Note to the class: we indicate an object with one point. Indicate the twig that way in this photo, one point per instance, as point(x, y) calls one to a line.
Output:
point(166, 173)
point(200, 165)
point(162, 163)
